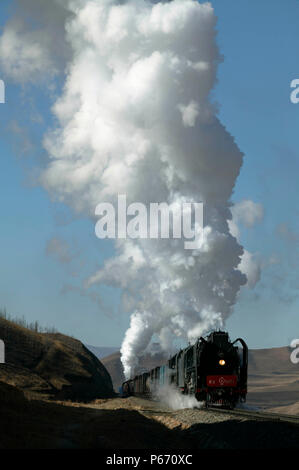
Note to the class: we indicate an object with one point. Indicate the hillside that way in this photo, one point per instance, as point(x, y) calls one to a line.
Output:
point(115, 369)
point(114, 366)
point(101, 351)
point(273, 381)
point(52, 364)
point(271, 361)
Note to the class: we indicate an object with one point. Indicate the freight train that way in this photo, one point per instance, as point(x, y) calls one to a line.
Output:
point(214, 370)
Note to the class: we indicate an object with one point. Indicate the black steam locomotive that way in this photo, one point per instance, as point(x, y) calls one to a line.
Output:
point(214, 370)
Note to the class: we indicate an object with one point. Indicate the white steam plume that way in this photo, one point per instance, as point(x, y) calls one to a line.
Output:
point(247, 213)
point(135, 118)
point(174, 399)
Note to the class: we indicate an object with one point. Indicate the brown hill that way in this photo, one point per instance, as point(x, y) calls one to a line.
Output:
point(101, 352)
point(273, 380)
point(53, 364)
point(114, 366)
point(115, 369)
point(271, 361)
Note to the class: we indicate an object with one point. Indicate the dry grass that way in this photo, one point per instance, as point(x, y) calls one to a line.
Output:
point(52, 364)
point(37, 424)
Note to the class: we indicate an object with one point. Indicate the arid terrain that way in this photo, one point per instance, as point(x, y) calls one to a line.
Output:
point(55, 393)
point(132, 423)
point(273, 380)
point(53, 365)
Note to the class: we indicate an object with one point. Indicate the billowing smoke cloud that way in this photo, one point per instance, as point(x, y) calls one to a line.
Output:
point(247, 213)
point(33, 46)
point(135, 117)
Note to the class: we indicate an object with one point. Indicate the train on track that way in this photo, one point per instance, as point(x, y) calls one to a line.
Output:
point(214, 370)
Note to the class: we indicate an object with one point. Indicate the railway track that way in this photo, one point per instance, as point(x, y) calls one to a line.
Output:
point(261, 415)
point(248, 414)
point(218, 428)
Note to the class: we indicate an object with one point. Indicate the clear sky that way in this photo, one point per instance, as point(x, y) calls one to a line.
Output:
point(259, 42)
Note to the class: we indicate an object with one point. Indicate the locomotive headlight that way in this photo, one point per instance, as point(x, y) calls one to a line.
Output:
point(222, 362)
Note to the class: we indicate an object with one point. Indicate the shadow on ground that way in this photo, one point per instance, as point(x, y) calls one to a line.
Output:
point(37, 424)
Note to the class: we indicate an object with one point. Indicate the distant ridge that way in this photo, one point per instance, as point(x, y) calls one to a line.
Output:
point(103, 351)
point(114, 366)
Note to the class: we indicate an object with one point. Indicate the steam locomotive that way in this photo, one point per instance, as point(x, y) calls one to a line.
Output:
point(214, 370)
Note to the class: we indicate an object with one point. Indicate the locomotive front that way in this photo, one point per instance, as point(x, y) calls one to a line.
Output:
point(221, 370)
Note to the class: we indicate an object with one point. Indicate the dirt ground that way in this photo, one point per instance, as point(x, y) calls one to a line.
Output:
point(134, 423)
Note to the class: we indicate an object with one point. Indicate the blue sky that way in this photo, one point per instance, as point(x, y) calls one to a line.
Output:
point(259, 42)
